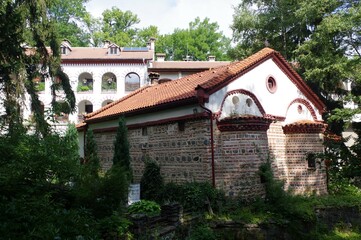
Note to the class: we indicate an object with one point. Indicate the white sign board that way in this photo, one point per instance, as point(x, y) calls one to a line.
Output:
point(134, 193)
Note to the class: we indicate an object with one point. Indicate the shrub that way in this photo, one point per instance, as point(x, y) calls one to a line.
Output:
point(84, 88)
point(149, 208)
point(202, 232)
point(151, 183)
point(193, 196)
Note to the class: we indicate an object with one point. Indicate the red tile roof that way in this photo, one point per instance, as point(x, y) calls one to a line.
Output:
point(184, 91)
point(97, 53)
point(304, 126)
point(188, 65)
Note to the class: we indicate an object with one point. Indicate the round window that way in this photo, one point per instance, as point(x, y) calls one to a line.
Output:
point(235, 100)
point(271, 85)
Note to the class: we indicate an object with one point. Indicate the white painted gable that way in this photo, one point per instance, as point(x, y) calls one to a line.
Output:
point(280, 103)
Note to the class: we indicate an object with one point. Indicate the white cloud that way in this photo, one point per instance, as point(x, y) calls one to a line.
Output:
point(170, 14)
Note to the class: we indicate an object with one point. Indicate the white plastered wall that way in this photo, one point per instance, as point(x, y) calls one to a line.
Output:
point(255, 81)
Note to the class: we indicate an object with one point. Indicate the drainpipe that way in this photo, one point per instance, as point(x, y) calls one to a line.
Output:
point(202, 98)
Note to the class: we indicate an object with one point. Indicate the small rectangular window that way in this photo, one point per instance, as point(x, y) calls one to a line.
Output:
point(181, 126)
point(311, 160)
point(144, 131)
point(63, 50)
point(113, 50)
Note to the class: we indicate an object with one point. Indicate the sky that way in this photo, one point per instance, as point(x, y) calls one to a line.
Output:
point(168, 15)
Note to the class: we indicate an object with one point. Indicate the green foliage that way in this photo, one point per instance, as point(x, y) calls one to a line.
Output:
point(121, 149)
point(103, 195)
point(200, 40)
point(149, 208)
point(69, 15)
point(27, 23)
point(36, 179)
point(114, 227)
point(202, 232)
point(40, 86)
point(84, 88)
point(91, 160)
point(118, 26)
point(194, 196)
point(107, 86)
point(282, 202)
point(151, 183)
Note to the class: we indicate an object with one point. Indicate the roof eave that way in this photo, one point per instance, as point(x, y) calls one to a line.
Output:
point(164, 106)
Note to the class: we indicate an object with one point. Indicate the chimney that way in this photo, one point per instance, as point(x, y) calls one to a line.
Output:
point(153, 77)
point(211, 58)
point(160, 57)
point(151, 43)
point(106, 43)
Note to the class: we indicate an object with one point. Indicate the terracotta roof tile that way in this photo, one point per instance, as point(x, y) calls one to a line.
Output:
point(183, 89)
point(102, 53)
point(187, 65)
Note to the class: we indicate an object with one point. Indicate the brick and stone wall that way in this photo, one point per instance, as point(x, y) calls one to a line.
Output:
point(300, 177)
point(277, 150)
point(289, 151)
point(183, 155)
point(238, 158)
point(183, 151)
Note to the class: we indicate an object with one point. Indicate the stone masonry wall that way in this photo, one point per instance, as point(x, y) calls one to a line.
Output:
point(301, 178)
point(238, 156)
point(277, 148)
point(182, 155)
point(289, 160)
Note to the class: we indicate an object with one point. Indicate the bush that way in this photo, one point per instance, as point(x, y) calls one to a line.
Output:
point(151, 184)
point(202, 232)
point(149, 208)
point(193, 196)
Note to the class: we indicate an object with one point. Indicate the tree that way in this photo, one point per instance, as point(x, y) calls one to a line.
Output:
point(151, 183)
point(331, 56)
point(91, 160)
point(23, 23)
point(257, 24)
point(144, 35)
point(121, 156)
point(118, 26)
point(323, 38)
point(200, 40)
point(69, 17)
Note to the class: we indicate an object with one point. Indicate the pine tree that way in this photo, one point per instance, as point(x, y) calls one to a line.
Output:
point(91, 159)
point(121, 156)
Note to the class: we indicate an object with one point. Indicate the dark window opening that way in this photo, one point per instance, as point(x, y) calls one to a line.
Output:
point(181, 126)
point(144, 131)
point(88, 108)
point(311, 160)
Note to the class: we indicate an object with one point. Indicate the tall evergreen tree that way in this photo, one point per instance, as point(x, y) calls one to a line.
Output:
point(26, 31)
point(121, 156)
point(91, 160)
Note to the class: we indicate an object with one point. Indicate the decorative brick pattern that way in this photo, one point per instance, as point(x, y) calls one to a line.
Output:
point(238, 157)
point(185, 155)
point(300, 178)
point(182, 155)
point(289, 154)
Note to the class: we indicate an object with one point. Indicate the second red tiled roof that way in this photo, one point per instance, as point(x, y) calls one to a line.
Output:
point(178, 90)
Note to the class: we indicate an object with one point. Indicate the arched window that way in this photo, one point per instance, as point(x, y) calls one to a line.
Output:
point(85, 82)
point(132, 81)
point(109, 82)
point(106, 102)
